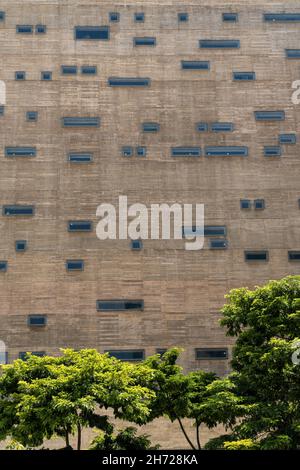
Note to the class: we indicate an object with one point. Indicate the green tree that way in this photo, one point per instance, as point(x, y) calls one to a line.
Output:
point(125, 439)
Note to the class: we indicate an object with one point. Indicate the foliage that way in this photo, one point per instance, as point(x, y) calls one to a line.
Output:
point(125, 439)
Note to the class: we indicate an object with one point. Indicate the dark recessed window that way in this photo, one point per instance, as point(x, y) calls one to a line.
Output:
point(3, 357)
point(81, 121)
point(74, 265)
point(282, 17)
point(136, 245)
point(25, 355)
point(195, 64)
point(2, 15)
point(247, 76)
point(114, 17)
point(118, 305)
point(136, 82)
point(292, 53)
point(46, 76)
point(202, 126)
point(287, 138)
point(272, 151)
point(21, 245)
point(3, 266)
point(294, 255)
point(31, 116)
point(96, 33)
point(20, 75)
point(150, 127)
point(259, 204)
point(69, 69)
point(219, 43)
point(256, 255)
point(24, 29)
point(80, 226)
point(144, 41)
point(211, 353)
point(18, 210)
point(20, 151)
point(215, 230)
point(127, 151)
point(222, 151)
point(127, 354)
point(89, 69)
point(80, 157)
point(40, 29)
point(161, 351)
point(186, 152)
point(141, 151)
point(222, 127)
point(245, 204)
point(139, 17)
point(37, 320)
point(2, 110)
point(218, 244)
point(230, 17)
point(183, 17)
point(269, 115)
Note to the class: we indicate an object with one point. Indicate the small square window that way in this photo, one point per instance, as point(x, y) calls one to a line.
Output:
point(20, 75)
point(127, 151)
point(31, 116)
point(21, 245)
point(259, 204)
point(136, 245)
point(3, 266)
point(40, 29)
point(46, 76)
point(2, 110)
point(139, 17)
point(183, 17)
point(114, 17)
point(245, 204)
point(2, 15)
point(202, 126)
point(141, 151)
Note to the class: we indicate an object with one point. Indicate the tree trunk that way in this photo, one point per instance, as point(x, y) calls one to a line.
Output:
point(67, 438)
point(198, 435)
point(78, 436)
point(185, 434)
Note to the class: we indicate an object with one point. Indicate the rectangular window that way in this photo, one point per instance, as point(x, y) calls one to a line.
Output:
point(114, 17)
point(20, 151)
point(114, 81)
point(3, 266)
point(292, 53)
point(222, 127)
point(37, 320)
point(144, 41)
point(81, 121)
point(259, 204)
point(231, 17)
point(119, 305)
point(74, 265)
point(94, 33)
point(80, 226)
point(183, 17)
point(69, 69)
point(219, 43)
point(256, 255)
point(80, 157)
point(2, 110)
point(31, 116)
point(2, 15)
point(150, 127)
point(161, 351)
point(127, 151)
point(239, 76)
point(141, 151)
point(25, 355)
point(218, 244)
point(245, 204)
point(20, 75)
point(3, 357)
point(195, 64)
point(186, 151)
point(21, 245)
point(294, 255)
point(202, 126)
point(282, 16)
point(211, 353)
point(272, 151)
point(287, 138)
point(136, 245)
point(46, 76)
point(215, 230)
point(269, 115)
point(127, 354)
point(24, 28)
point(222, 151)
point(89, 69)
point(40, 29)
point(18, 210)
point(139, 17)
